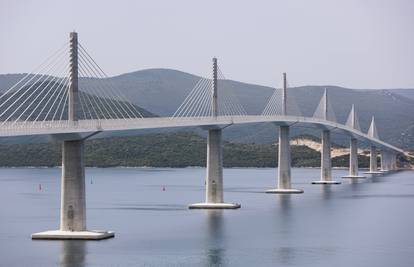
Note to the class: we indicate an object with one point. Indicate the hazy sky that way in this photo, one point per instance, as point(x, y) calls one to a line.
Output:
point(351, 43)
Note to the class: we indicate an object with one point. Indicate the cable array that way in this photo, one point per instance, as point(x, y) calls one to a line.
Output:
point(35, 96)
point(275, 105)
point(42, 95)
point(198, 102)
point(99, 99)
point(320, 110)
point(353, 121)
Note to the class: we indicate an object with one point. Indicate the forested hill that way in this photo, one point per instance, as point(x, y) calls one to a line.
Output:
point(179, 149)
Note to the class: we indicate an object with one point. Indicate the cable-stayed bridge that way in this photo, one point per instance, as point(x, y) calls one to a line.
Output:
point(69, 98)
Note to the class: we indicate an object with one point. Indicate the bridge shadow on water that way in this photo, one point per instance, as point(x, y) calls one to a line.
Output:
point(73, 253)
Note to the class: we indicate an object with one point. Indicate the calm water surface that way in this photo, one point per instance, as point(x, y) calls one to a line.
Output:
point(367, 223)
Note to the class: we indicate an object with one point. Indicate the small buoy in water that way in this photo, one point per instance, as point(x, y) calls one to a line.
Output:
point(40, 187)
point(91, 181)
point(163, 188)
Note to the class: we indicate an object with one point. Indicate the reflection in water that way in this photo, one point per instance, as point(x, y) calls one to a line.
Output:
point(326, 192)
point(356, 184)
point(377, 178)
point(285, 204)
point(285, 255)
point(73, 253)
point(215, 238)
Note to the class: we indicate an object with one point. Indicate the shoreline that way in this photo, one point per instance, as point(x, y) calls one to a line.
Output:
point(150, 167)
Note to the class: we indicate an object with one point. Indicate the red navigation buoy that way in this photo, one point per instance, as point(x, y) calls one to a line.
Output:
point(163, 188)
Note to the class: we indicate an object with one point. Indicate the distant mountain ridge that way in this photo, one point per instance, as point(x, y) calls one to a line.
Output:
point(161, 91)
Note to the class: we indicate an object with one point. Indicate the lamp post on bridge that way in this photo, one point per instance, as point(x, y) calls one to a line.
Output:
point(214, 198)
point(73, 195)
point(284, 185)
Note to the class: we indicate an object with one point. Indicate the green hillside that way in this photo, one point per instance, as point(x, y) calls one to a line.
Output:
point(178, 149)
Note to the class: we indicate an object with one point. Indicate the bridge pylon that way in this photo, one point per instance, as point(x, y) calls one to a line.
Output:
point(284, 185)
point(214, 177)
point(73, 195)
point(373, 133)
point(352, 122)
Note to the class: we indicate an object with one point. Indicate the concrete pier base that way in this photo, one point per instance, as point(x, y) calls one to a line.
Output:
point(214, 178)
point(74, 235)
point(284, 185)
point(73, 205)
point(374, 172)
point(353, 177)
point(326, 182)
point(284, 191)
point(214, 206)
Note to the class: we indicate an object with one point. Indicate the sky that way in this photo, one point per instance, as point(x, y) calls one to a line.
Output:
point(350, 43)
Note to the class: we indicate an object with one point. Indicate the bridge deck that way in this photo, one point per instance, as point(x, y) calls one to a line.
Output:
point(65, 130)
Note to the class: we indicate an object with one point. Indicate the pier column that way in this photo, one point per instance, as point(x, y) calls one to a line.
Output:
point(326, 162)
point(394, 161)
point(284, 175)
point(384, 161)
point(353, 160)
point(214, 177)
point(73, 205)
point(373, 165)
point(373, 159)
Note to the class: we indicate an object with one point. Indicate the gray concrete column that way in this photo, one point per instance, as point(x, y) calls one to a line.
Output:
point(394, 161)
point(382, 160)
point(353, 160)
point(214, 177)
point(385, 167)
point(73, 205)
point(373, 166)
point(326, 162)
point(284, 159)
point(373, 159)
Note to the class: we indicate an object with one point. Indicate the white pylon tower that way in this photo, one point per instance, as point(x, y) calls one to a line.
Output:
point(284, 184)
point(214, 178)
point(373, 133)
point(73, 195)
point(352, 122)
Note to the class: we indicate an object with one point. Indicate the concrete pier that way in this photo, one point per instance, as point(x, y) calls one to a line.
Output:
point(284, 185)
point(73, 204)
point(394, 161)
point(373, 168)
point(353, 160)
point(73, 200)
point(214, 178)
point(326, 162)
point(384, 161)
